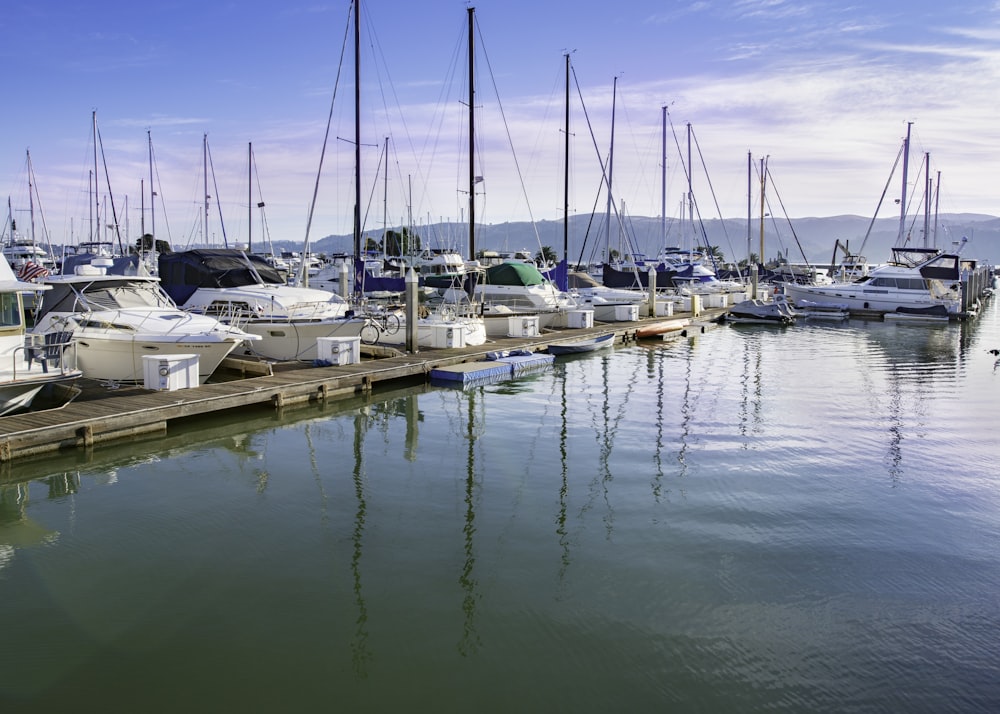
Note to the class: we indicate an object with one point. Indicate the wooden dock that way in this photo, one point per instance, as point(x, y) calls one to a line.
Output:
point(104, 413)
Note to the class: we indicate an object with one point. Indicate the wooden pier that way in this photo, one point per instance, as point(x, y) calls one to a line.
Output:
point(103, 413)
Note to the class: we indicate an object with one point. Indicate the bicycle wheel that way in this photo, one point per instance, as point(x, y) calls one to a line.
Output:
point(391, 323)
point(370, 333)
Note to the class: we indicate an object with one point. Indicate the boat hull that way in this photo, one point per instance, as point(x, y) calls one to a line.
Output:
point(19, 394)
point(111, 358)
point(288, 341)
point(582, 346)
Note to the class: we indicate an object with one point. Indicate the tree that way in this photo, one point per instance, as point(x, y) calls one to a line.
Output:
point(401, 243)
point(546, 256)
point(713, 252)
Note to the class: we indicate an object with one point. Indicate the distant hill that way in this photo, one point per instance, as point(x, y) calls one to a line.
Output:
point(798, 239)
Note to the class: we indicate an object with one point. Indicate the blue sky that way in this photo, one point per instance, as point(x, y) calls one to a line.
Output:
point(823, 89)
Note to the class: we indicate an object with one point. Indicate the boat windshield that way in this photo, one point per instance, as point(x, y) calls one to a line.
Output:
point(126, 294)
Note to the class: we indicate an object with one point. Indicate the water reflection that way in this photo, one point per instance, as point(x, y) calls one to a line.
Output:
point(17, 529)
point(360, 653)
point(470, 641)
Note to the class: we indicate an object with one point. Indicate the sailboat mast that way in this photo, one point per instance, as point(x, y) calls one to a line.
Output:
point(566, 172)
point(663, 177)
point(749, 216)
point(31, 200)
point(760, 255)
point(250, 197)
point(97, 199)
point(690, 196)
point(902, 199)
point(152, 188)
point(611, 161)
point(927, 199)
point(204, 161)
point(472, 137)
point(357, 130)
point(937, 196)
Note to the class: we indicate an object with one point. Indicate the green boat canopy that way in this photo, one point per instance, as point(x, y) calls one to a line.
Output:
point(514, 273)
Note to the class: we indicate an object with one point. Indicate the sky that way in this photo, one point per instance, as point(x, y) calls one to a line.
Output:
point(256, 100)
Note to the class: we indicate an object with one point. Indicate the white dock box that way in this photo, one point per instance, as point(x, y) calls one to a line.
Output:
point(446, 336)
point(339, 350)
point(170, 372)
point(626, 313)
point(664, 308)
point(522, 326)
point(580, 318)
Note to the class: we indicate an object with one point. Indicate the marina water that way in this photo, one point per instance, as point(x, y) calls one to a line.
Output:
point(801, 519)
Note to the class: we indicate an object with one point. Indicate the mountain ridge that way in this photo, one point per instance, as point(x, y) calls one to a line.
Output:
point(808, 239)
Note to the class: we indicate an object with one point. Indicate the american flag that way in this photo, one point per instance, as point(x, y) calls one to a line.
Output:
point(31, 270)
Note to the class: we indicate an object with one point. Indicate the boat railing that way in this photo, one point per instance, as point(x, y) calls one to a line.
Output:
point(234, 314)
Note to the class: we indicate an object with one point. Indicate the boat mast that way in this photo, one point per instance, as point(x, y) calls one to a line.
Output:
point(204, 167)
point(937, 196)
point(472, 139)
point(31, 202)
point(357, 134)
point(927, 199)
point(663, 177)
point(566, 173)
point(97, 200)
point(690, 196)
point(753, 270)
point(611, 161)
point(902, 199)
point(250, 197)
point(152, 188)
point(385, 201)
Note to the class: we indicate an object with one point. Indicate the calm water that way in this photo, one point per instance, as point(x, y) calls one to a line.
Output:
point(755, 519)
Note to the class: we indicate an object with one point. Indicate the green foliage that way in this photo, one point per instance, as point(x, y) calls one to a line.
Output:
point(402, 242)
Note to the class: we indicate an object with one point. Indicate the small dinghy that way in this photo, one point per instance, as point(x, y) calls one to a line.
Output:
point(586, 345)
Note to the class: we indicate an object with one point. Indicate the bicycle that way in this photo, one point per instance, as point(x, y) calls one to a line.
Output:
point(378, 323)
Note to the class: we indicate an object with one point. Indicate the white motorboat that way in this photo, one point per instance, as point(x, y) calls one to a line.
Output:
point(26, 366)
point(915, 278)
point(115, 320)
point(761, 312)
point(244, 291)
point(516, 290)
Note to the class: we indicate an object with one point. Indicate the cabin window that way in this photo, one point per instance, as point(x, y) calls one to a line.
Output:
point(10, 310)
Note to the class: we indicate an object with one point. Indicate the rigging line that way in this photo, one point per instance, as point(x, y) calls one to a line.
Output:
point(159, 192)
point(34, 186)
point(260, 200)
point(371, 197)
point(376, 49)
point(329, 122)
point(916, 213)
point(114, 213)
point(218, 201)
point(600, 161)
point(885, 190)
point(781, 203)
point(510, 140)
point(715, 200)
